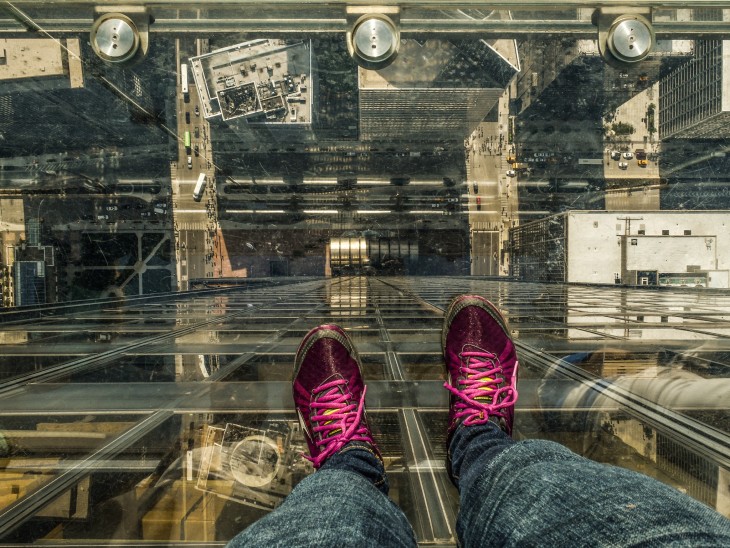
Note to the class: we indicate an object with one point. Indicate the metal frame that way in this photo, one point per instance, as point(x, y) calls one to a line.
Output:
point(425, 17)
point(428, 478)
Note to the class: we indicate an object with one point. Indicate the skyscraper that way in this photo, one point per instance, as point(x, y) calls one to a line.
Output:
point(435, 90)
point(694, 99)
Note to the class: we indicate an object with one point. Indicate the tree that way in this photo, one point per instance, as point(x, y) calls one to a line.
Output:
point(622, 128)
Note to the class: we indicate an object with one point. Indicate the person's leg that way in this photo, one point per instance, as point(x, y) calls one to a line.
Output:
point(537, 492)
point(345, 502)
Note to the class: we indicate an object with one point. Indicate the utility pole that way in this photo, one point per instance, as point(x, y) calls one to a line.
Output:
point(627, 225)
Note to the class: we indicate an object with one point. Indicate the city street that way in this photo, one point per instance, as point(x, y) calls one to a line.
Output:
point(195, 222)
point(492, 194)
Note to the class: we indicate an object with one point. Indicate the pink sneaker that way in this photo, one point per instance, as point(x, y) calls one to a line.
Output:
point(481, 362)
point(329, 394)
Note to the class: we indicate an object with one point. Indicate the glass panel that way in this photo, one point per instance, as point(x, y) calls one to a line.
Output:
point(186, 189)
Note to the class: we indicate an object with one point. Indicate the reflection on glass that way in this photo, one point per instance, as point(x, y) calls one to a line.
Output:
point(150, 323)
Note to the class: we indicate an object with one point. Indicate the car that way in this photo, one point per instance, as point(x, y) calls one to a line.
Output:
point(197, 111)
point(190, 162)
point(615, 155)
point(479, 203)
point(628, 155)
point(642, 163)
point(511, 173)
point(623, 165)
point(111, 208)
point(197, 150)
point(187, 117)
point(102, 217)
point(197, 132)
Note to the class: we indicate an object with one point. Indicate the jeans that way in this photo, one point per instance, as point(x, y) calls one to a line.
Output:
point(527, 493)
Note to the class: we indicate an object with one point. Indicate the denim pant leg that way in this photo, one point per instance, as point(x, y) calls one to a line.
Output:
point(344, 503)
point(537, 492)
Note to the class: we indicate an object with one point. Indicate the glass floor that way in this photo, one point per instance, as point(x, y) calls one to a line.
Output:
point(187, 188)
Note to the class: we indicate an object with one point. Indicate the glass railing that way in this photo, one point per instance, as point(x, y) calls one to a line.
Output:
point(187, 188)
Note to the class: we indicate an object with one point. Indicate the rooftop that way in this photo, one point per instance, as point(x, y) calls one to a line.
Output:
point(262, 80)
point(426, 64)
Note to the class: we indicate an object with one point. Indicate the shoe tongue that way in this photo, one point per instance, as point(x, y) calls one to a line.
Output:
point(337, 430)
point(486, 397)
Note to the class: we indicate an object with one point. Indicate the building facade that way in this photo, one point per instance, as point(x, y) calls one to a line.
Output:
point(694, 99)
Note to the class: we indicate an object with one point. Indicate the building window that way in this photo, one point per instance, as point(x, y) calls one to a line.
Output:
point(639, 318)
point(688, 233)
point(665, 233)
point(642, 232)
point(634, 241)
point(665, 319)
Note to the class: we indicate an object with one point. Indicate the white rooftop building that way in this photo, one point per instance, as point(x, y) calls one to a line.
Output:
point(262, 81)
point(659, 248)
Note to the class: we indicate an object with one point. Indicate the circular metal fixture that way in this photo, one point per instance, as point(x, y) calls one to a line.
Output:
point(115, 38)
point(374, 41)
point(255, 461)
point(630, 39)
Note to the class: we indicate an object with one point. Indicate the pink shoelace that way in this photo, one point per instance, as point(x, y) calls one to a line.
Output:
point(333, 410)
point(482, 377)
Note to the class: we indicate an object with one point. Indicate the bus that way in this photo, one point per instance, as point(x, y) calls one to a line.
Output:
point(187, 142)
point(184, 78)
point(199, 188)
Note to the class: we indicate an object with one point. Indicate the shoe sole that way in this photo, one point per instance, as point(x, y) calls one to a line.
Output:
point(460, 303)
point(330, 331)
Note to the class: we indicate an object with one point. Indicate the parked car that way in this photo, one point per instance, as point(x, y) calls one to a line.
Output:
point(197, 111)
point(511, 173)
point(623, 165)
point(615, 155)
point(628, 155)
